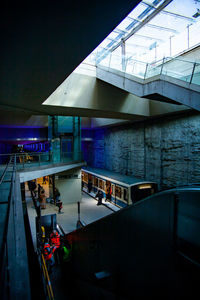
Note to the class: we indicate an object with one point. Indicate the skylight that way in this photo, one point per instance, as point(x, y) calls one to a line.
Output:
point(153, 30)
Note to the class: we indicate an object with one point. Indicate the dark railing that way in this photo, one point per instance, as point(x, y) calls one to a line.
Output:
point(141, 249)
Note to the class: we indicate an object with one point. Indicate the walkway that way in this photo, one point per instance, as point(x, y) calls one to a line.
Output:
point(160, 86)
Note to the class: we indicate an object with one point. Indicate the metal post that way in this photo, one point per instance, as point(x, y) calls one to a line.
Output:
point(146, 71)
point(175, 225)
point(155, 52)
point(170, 45)
point(110, 60)
point(78, 211)
point(123, 55)
point(162, 65)
point(188, 35)
point(192, 72)
point(115, 194)
point(53, 186)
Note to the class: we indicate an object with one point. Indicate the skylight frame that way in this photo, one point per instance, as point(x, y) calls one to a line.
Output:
point(108, 46)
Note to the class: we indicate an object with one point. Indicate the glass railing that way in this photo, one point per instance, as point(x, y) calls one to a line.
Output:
point(71, 156)
point(179, 68)
point(24, 160)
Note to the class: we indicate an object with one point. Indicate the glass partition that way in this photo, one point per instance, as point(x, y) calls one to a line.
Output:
point(196, 75)
point(178, 69)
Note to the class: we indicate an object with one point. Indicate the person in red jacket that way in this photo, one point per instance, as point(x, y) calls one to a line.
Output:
point(55, 239)
point(55, 242)
point(48, 254)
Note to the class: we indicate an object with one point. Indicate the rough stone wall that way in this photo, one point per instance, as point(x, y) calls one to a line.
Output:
point(165, 150)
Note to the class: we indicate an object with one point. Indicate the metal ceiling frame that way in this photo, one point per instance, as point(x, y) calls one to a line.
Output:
point(134, 30)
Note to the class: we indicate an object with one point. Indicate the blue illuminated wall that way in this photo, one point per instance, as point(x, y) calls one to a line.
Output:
point(11, 136)
point(23, 133)
point(37, 147)
point(87, 145)
point(4, 148)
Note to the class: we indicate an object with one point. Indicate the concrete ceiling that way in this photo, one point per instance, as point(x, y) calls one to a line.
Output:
point(42, 42)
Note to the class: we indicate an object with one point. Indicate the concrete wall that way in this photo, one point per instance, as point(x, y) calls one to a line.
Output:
point(165, 150)
point(69, 185)
point(85, 95)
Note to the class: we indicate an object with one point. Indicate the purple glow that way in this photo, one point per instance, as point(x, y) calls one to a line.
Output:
point(19, 126)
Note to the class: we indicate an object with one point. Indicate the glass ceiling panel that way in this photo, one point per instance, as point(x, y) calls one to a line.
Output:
point(141, 11)
point(170, 21)
point(154, 33)
point(166, 33)
point(138, 11)
point(112, 35)
point(140, 40)
point(124, 24)
point(185, 8)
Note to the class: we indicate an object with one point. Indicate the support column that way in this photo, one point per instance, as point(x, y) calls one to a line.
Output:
point(123, 55)
point(54, 138)
point(77, 138)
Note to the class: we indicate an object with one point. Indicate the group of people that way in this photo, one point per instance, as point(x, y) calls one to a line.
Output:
point(99, 195)
point(55, 250)
point(39, 192)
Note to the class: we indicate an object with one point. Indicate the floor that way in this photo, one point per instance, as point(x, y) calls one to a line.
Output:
point(89, 211)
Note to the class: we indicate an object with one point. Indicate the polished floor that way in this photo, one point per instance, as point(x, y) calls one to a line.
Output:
point(67, 219)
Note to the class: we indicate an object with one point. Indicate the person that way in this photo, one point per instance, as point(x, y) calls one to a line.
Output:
point(55, 239)
point(42, 198)
point(108, 193)
point(50, 180)
point(66, 265)
point(99, 195)
point(57, 200)
point(29, 185)
point(55, 242)
point(39, 189)
point(48, 254)
point(56, 195)
point(60, 206)
point(65, 252)
point(89, 186)
point(32, 187)
point(44, 180)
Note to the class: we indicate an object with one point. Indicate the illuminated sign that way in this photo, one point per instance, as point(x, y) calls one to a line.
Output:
point(144, 186)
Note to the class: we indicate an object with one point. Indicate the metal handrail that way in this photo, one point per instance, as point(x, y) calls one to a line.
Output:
point(47, 279)
point(130, 58)
point(14, 248)
point(152, 66)
point(3, 249)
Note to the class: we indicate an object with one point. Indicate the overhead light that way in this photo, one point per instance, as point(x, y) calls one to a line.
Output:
point(197, 14)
